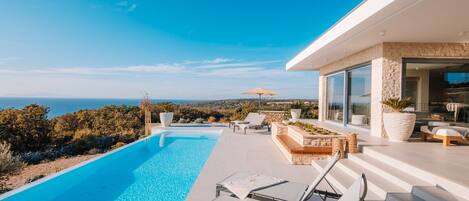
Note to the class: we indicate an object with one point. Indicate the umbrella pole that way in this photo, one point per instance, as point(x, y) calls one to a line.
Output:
point(260, 102)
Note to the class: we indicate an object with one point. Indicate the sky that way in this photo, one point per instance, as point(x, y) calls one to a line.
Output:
point(205, 49)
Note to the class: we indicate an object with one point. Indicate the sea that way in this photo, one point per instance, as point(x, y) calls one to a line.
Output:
point(60, 106)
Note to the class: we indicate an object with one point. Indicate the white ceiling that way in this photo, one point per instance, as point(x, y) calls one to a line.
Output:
point(377, 21)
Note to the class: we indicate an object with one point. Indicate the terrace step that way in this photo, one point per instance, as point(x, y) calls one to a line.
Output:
point(341, 180)
point(298, 155)
point(453, 187)
point(376, 183)
point(432, 193)
point(396, 176)
point(402, 197)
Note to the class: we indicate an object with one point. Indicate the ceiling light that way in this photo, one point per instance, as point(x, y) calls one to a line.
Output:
point(382, 33)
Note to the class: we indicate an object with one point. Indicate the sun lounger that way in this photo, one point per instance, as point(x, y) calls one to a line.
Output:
point(445, 133)
point(285, 190)
point(253, 120)
point(250, 117)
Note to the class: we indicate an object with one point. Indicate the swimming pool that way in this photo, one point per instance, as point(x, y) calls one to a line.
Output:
point(140, 171)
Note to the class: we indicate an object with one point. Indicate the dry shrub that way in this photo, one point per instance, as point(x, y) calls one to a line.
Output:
point(212, 119)
point(8, 162)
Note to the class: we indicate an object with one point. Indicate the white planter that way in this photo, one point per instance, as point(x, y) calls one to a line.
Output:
point(399, 126)
point(166, 118)
point(295, 113)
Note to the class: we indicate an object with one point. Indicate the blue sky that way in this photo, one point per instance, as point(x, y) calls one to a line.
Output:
point(206, 49)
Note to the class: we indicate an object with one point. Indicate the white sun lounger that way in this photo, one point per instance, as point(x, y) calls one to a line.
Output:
point(445, 133)
point(287, 190)
point(253, 120)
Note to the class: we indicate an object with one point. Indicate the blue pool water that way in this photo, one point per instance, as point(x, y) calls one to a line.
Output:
point(142, 171)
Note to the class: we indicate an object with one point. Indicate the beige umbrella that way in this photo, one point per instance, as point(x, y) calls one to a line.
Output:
point(260, 92)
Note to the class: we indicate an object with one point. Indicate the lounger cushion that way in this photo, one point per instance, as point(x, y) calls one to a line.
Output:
point(229, 198)
point(284, 191)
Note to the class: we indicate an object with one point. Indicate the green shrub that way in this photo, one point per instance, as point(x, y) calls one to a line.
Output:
point(397, 104)
point(8, 162)
point(26, 129)
point(243, 110)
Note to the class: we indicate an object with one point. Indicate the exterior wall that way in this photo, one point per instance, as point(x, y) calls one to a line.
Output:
point(373, 54)
point(386, 71)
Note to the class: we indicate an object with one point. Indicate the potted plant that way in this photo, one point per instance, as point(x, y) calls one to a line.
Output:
point(295, 110)
point(166, 117)
point(397, 124)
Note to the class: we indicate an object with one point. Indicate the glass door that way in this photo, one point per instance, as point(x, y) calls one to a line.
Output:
point(359, 96)
point(335, 97)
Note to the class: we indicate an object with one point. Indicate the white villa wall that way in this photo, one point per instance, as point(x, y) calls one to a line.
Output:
point(386, 71)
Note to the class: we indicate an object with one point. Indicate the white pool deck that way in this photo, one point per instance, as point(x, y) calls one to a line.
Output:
point(255, 152)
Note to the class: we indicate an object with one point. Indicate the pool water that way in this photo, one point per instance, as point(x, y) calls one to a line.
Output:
point(142, 171)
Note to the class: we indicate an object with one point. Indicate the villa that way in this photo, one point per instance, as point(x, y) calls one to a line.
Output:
point(414, 52)
point(396, 49)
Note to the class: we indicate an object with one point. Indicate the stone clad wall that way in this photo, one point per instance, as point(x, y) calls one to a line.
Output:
point(386, 70)
point(275, 116)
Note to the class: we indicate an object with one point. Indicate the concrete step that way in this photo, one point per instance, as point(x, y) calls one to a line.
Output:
point(453, 187)
point(341, 180)
point(432, 193)
point(376, 183)
point(394, 175)
point(402, 197)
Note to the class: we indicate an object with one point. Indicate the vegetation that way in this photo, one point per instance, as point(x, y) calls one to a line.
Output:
point(28, 136)
point(8, 162)
point(308, 111)
point(312, 129)
point(397, 104)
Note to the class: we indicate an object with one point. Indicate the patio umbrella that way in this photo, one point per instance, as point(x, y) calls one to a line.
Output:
point(260, 92)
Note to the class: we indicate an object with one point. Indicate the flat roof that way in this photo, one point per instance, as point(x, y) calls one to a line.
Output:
point(378, 21)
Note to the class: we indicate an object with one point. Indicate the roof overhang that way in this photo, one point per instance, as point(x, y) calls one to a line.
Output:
point(378, 21)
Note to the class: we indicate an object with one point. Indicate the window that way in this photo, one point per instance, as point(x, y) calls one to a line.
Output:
point(348, 97)
point(359, 96)
point(439, 90)
point(335, 97)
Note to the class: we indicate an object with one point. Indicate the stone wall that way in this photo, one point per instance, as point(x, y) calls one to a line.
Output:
point(275, 116)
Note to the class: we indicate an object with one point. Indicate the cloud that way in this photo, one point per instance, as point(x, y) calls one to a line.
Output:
point(5, 60)
point(244, 72)
point(237, 64)
point(159, 68)
point(218, 60)
point(126, 6)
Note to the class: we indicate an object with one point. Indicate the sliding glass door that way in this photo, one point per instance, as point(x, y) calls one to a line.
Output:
point(335, 97)
point(348, 95)
point(359, 96)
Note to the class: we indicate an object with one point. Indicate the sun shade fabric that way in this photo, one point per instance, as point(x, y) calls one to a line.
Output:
point(260, 91)
point(243, 186)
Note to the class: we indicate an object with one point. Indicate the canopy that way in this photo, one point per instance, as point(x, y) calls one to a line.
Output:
point(260, 92)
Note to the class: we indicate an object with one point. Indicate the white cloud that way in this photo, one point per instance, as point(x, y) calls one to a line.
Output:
point(159, 68)
point(5, 60)
point(126, 6)
point(237, 64)
point(245, 72)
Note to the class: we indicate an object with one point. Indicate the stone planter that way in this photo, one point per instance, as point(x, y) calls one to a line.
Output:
point(399, 126)
point(307, 140)
point(166, 118)
point(295, 114)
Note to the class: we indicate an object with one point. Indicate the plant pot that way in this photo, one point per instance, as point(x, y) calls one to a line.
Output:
point(295, 113)
point(399, 126)
point(166, 118)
